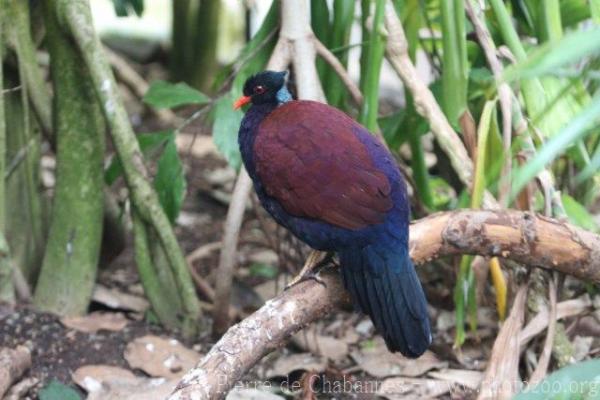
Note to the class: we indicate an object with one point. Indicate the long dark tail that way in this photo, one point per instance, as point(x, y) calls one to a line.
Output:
point(384, 284)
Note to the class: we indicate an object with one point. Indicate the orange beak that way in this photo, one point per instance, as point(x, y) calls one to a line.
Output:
point(242, 101)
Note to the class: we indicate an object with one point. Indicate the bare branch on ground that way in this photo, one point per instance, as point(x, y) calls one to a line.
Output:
point(13, 363)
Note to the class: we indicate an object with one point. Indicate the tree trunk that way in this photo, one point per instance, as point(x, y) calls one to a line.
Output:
point(194, 47)
point(77, 18)
point(71, 259)
point(7, 291)
point(24, 211)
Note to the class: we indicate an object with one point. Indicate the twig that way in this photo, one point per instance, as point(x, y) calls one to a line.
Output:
point(231, 233)
point(339, 69)
point(22, 42)
point(206, 289)
point(522, 237)
point(136, 83)
point(425, 103)
point(13, 363)
point(504, 93)
point(544, 360)
point(564, 309)
point(203, 251)
point(18, 158)
point(13, 89)
point(20, 389)
point(501, 379)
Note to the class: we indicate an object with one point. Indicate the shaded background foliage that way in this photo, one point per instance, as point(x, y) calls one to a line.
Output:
point(549, 51)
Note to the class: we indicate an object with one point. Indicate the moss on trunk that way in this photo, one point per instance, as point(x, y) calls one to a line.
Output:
point(71, 259)
point(7, 291)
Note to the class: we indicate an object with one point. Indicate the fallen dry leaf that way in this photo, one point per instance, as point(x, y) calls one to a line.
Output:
point(464, 377)
point(91, 377)
point(197, 145)
point(399, 388)
point(252, 394)
point(377, 361)
point(326, 346)
point(105, 382)
point(581, 347)
point(96, 321)
point(288, 363)
point(160, 357)
point(118, 300)
point(272, 287)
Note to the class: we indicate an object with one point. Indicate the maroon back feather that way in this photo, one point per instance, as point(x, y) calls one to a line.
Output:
point(309, 158)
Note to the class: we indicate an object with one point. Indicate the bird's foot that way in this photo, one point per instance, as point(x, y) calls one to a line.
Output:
point(310, 271)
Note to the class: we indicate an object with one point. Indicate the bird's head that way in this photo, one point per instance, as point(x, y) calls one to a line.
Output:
point(264, 87)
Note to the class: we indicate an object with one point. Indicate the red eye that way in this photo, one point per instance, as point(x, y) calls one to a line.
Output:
point(259, 89)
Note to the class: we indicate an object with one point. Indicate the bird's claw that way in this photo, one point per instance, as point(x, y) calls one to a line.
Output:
point(314, 263)
point(311, 276)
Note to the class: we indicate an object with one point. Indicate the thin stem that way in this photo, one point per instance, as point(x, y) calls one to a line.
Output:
point(340, 70)
point(25, 48)
point(370, 88)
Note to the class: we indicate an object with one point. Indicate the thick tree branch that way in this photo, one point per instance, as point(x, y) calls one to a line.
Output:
point(523, 237)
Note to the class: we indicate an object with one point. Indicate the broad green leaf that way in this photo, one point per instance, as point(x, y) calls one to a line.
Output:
point(595, 10)
point(455, 73)
point(149, 143)
point(483, 130)
point(552, 55)
point(464, 290)
point(572, 132)
point(262, 270)
point(58, 391)
point(225, 129)
point(169, 181)
point(577, 213)
point(168, 95)
point(575, 382)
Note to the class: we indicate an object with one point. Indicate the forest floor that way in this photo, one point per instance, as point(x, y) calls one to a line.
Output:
point(119, 352)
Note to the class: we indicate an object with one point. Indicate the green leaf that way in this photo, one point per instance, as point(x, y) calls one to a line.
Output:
point(123, 7)
point(169, 181)
point(574, 131)
point(58, 391)
point(483, 130)
point(577, 213)
point(168, 95)
point(553, 55)
point(575, 382)
point(443, 193)
point(225, 130)
point(262, 270)
point(595, 10)
point(149, 143)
